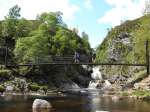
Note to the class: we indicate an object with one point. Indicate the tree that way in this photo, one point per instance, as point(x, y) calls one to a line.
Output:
point(23, 28)
point(52, 21)
point(9, 26)
point(14, 12)
point(28, 49)
point(43, 42)
point(2, 43)
point(86, 45)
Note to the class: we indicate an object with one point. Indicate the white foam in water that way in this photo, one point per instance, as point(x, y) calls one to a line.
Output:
point(97, 77)
point(107, 83)
point(96, 74)
point(93, 84)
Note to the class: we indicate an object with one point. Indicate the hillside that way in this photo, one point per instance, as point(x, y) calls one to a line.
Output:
point(34, 41)
point(128, 39)
point(125, 44)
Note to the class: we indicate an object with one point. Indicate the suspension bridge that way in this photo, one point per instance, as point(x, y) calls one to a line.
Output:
point(68, 60)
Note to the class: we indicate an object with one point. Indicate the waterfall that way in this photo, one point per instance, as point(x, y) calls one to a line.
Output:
point(107, 84)
point(93, 84)
point(98, 80)
point(96, 75)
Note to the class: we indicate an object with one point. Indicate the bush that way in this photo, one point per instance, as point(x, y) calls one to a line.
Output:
point(2, 89)
point(34, 87)
point(141, 93)
point(44, 88)
point(6, 74)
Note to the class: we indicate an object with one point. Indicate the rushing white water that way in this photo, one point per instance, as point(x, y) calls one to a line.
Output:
point(93, 84)
point(107, 84)
point(97, 80)
point(96, 75)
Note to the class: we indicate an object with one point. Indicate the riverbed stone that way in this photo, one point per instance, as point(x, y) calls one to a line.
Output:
point(39, 103)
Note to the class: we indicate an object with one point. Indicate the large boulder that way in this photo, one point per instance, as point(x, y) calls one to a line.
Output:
point(41, 104)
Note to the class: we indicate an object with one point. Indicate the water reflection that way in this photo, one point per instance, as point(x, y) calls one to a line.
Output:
point(41, 110)
point(90, 103)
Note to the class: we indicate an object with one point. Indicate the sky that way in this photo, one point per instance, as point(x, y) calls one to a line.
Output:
point(91, 16)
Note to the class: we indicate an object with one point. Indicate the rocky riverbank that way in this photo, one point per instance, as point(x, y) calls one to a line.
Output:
point(73, 81)
point(59, 77)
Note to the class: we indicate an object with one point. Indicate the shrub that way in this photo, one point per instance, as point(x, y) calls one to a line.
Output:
point(2, 89)
point(44, 88)
point(6, 74)
point(34, 87)
point(141, 93)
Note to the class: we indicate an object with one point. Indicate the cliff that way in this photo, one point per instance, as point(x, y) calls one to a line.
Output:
point(125, 44)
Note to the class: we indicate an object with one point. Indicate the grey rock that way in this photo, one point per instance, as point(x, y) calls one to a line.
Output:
point(39, 103)
point(71, 85)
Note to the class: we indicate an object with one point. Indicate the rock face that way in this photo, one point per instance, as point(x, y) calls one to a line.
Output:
point(119, 47)
point(41, 104)
point(70, 85)
point(125, 43)
point(61, 77)
point(144, 84)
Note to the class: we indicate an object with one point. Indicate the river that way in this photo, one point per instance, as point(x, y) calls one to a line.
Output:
point(74, 103)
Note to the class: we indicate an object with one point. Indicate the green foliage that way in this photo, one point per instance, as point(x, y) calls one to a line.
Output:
point(23, 70)
point(23, 28)
point(9, 26)
point(44, 88)
point(34, 40)
point(13, 27)
point(101, 52)
point(52, 37)
point(6, 74)
point(14, 12)
point(34, 87)
point(139, 30)
point(138, 76)
point(142, 93)
point(2, 89)
point(30, 48)
point(85, 39)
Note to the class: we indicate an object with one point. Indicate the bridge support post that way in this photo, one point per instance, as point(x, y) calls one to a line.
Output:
point(6, 56)
point(147, 57)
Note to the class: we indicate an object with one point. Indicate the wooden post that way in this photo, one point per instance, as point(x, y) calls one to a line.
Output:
point(147, 57)
point(6, 56)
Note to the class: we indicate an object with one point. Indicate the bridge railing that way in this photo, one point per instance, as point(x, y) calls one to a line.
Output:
point(62, 59)
point(50, 59)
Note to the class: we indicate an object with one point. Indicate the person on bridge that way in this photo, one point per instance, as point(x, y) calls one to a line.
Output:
point(76, 57)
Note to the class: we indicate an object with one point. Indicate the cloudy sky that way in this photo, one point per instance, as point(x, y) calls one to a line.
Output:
point(91, 16)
